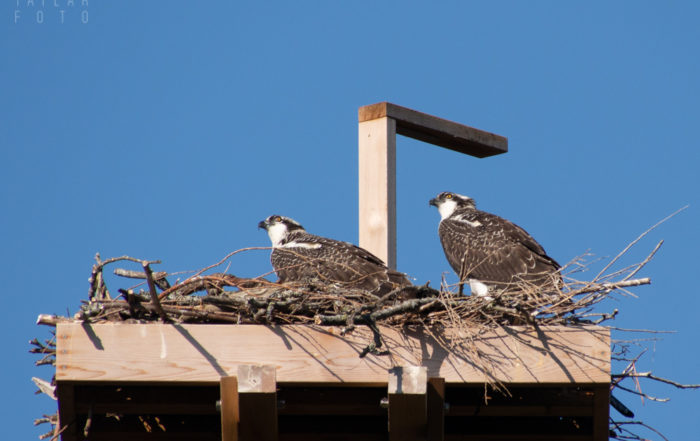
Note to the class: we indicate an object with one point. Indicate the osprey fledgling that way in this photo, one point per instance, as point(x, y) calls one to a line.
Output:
point(298, 256)
point(490, 251)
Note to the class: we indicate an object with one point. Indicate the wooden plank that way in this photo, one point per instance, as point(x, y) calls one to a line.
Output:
point(436, 409)
point(335, 400)
point(230, 409)
point(601, 413)
point(516, 437)
point(437, 131)
point(257, 392)
point(520, 410)
point(120, 352)
point(377, 188)
point(146, 398)
point(408, 403)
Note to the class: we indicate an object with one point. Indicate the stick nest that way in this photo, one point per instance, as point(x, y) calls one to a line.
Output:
point(225, 298)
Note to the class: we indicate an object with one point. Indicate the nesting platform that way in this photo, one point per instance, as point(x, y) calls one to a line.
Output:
point(301, 382)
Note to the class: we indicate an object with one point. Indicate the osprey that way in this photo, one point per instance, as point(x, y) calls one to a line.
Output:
point(298, 256)
point(490, 251)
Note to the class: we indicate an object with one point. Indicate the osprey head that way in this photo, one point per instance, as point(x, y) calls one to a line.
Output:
point(447, 202)
point(278, 227)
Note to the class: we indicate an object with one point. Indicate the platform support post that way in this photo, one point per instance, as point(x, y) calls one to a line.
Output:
point(228, 387)
point(257, 393)
point(601, 412)
point(66, 410)
point(377, 191)
point(436, 409)
point(408, 403)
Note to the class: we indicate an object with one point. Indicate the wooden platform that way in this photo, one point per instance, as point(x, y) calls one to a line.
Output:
point(162, 381)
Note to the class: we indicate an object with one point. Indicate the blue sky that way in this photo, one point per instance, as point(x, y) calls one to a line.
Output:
point(168, 130)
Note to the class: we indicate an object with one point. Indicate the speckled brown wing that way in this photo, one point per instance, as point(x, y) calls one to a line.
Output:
point(489, 248)
point(306, 257)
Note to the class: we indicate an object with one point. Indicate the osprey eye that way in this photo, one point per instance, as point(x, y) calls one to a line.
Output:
point(448, 196)
point(278, 219)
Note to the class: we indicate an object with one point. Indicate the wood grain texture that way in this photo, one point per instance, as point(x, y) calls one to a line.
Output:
point(377, 188)
point(307, 354)
point(408, 417)
point(437, 131)
point(229, 408)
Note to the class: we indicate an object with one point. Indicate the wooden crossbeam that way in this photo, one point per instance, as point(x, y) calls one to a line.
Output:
point(204, 353)
point(437, 131)
point(378, 125)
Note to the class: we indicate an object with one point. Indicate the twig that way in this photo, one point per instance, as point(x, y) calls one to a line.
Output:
point(631, 244)
point(97, 269)
point(159, 277)
point(617, 425)
point(58, 433)
point(152, 291)
point(45, 386)
point(609, 286)
point(620, 407)
point(644, 262)
point(651, 376)
point(50, 319)
point(641, 394)
point(189, 279)
point(88, 423)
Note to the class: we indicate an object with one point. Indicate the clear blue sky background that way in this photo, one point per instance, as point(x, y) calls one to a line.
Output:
point(167, 130)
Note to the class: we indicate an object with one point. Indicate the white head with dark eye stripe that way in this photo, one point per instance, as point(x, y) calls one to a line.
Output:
point(278, 228)
point(447, 202)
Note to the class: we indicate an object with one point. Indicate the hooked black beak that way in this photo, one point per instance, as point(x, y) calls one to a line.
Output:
point(433, 202)
point(262, 224)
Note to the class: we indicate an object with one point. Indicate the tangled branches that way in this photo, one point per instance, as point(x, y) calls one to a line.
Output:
point(228, 299)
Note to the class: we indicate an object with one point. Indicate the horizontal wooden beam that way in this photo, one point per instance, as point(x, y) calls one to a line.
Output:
point(438, 131)
point(118, 352)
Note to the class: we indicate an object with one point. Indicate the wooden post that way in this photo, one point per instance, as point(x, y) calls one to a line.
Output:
point(436, 409)
point(601, 412)
point(377, 156)
point(65, 391)
point(257, 394)
point(408, 403)
point(228, 387)
point(378, 125)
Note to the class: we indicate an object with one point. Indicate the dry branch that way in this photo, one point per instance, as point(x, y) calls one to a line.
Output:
point(651, 376)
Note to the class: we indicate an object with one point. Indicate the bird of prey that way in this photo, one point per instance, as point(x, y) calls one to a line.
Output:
point(298, 256)
point(489, 251)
